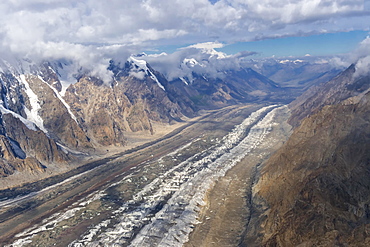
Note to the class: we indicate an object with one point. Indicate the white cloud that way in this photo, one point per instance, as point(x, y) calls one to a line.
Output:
point(362, 58)
point(93, 30)
point(207, 45)
point(201, 58)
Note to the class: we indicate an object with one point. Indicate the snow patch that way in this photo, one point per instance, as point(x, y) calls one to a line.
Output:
point(183, 80)
point(32, 114)
point(61, 100)
point(66, 72)
point(26, 122)
point(67, 150)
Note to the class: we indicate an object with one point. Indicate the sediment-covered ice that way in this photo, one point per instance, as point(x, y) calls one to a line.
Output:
point(181, 190)
point(172, 225)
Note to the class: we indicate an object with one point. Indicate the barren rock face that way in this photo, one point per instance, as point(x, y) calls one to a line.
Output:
point(13, 158)
point(315, 191)
point(108, 111)
point(34, 143)
point(57, 120)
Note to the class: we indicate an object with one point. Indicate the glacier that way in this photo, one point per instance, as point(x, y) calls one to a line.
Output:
point(181, 189)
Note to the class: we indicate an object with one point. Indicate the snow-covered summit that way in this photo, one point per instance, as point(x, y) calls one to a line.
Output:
point(139, 69)
point(191, 63)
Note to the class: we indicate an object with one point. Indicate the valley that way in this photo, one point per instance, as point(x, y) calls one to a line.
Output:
point(117, 199)
point(201, 123)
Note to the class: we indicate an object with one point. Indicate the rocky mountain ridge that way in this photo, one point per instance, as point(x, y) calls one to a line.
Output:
point(43, 122)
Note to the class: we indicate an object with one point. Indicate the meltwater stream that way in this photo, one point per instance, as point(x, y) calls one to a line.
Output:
point(164, 212)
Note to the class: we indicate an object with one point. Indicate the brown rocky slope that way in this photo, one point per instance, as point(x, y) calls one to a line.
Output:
point(315, 191)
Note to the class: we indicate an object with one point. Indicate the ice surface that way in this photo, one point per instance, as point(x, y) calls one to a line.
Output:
point(173, 224)
point(180, 190)
point(49, 224)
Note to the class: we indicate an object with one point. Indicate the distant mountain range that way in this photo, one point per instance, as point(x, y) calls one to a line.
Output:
point(300, 73)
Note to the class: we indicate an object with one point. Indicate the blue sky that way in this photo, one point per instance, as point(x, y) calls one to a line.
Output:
point(315, 45)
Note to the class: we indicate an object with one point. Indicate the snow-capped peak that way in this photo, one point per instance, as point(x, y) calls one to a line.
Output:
point(191, 62)
point(141, 69)
point(291, 61)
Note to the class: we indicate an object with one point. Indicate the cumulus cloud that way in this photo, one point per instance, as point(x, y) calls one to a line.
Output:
point(92, 31)
point(201, 58)
point(361, 58)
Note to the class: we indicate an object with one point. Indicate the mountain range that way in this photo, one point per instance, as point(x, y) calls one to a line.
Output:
point(48, 124)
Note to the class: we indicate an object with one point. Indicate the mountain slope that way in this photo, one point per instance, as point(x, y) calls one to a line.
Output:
point(333, 92)
point(26, 143)
point(45, 124)
point(315, 190)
